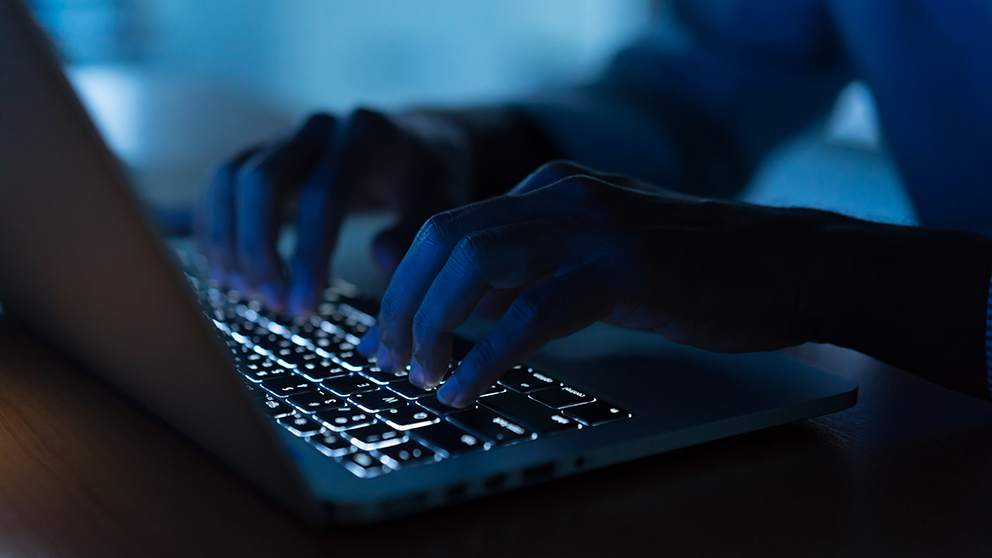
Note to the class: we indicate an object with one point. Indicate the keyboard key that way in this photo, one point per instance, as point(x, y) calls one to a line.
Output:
point(596, 412)
point(349, 309)
point(247, 329)
point(352, 359)
point(408, 417)
point(322, 369)
point(539, 417)
point(255, 360)
point(271, 342)
point(306, 330)
point(449, 438)
point(363, 465)
point(331, 444)
point(347, 385)
point(406, 454)
point(526, 380)
point(275, 408)
point(284, 386)
point(433, 405)
point(317, 400)
point(344, 418)
point(257, 373)
point(377, 400)
point(374, 436)
point(380, 377)
point(492, 425)
point(297, 355)
point(300, 425)
point(410, 391)
point(493, 390)
point(561, 397)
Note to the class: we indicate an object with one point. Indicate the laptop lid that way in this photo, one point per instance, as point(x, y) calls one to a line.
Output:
point(81, 266)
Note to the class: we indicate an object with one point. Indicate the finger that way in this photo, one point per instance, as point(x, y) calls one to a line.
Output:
point(370, 342)
point(263, 185)
point(550, 311)
point(505, 257)
point(557, 171)
point(215, 218)
point(351, 163)
point(391, 244)
point(548, 173)
point(430, 251)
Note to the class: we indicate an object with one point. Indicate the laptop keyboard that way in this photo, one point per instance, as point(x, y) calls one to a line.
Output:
point(310, 378)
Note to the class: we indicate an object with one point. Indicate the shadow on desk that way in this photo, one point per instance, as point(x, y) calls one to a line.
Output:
point(908, 471)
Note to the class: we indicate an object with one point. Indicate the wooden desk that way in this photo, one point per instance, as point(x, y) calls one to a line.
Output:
point(906, 472)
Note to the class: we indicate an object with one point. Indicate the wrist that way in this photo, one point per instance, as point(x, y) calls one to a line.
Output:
point(909, 296)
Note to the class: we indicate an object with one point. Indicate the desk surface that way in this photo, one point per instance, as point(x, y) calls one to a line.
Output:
point(908, 470)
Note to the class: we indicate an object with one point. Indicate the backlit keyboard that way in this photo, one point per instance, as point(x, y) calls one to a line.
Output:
point(310, 378)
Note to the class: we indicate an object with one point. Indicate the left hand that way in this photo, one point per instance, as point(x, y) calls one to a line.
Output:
point(584, 246)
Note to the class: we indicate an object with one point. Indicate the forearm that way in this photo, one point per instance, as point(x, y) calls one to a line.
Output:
point(912, 297)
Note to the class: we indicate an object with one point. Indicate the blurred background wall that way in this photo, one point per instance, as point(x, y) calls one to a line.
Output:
point(178, 85)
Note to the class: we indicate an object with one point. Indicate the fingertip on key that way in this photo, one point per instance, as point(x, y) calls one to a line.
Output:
point(417, 375)
point(447, 394)
point(370, 344)
point(452, 395)
point(382, 359)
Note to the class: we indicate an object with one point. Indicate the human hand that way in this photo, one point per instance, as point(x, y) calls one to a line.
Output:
point(408, 162)
point(585, 246)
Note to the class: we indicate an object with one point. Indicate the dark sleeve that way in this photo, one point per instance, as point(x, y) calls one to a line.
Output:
point(700, 99)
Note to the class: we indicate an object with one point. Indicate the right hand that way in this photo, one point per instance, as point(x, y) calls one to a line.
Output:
point(411, 163)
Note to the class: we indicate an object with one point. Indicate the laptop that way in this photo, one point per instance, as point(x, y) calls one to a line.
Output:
point(290, 406)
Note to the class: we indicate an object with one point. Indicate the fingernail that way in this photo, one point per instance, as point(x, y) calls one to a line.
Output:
point(448, 394)
point(417, 375)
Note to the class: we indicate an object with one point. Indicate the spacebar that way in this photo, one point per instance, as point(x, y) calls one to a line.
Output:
point(449, 438)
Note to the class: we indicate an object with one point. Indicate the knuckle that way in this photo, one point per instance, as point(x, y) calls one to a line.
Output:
point(526, 309)
point(318, 120)
point(255, 175)
point(424, 324)
point(554, 171)
point(388, 309)
point(545, 175)
point(364, 124)
point(582, 188)
point(474, 249)
point(437, 230)
point(485, 351)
